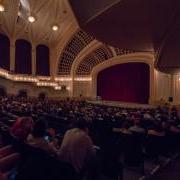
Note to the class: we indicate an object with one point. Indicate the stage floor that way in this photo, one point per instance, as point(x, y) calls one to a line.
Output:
point(122, 104)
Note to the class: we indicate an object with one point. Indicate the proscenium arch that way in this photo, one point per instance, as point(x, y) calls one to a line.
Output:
point(147, 58)
point(90, 51)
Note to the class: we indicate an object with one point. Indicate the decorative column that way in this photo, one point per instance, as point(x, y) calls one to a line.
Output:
point(152, 93)
point(172, 87)
point(53, 62)
point(12, 55)
point(33, 60)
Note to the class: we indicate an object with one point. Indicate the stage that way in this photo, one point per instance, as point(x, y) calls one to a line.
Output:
point(122, 104)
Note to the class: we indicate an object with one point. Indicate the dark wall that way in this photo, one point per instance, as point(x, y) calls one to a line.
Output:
point(4, 52)
point(23, 57)
point(42, 60)
point(127, 82)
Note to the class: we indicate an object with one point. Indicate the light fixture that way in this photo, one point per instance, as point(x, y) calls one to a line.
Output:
point(55, 28)
point(1, 8)
point(31, 19)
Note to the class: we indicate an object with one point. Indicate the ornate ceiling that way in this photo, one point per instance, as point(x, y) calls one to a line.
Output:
point(140, 25)
point(14, 21)
point(74, 46)
point(69, 42)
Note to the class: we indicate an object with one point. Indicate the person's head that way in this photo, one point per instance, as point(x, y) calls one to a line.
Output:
point(125, 125)
point(82, 124)
point(137, 122)
point(28, 122)
point(165, 125)
point(158, 126)
point(52, 132)
point(39, 129)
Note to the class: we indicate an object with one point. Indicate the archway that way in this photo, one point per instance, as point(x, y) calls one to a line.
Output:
point(137, 57)
point(42, 60)
point(4, 52)
point(128, 82)
point(23, 56)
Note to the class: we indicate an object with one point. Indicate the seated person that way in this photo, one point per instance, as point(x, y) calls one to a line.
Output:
point(55, 143)
point(22, 127)
point(174, 111)
point(51, 133)
point(77, 147)
point(174, 128)
point(37, 137)
point(157, 129)
point(3, 176)
point(136, 128)
point(8, 160)
point(124, 129)
point(147, 116)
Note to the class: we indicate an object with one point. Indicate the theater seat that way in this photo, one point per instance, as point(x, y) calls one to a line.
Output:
point(39, 165)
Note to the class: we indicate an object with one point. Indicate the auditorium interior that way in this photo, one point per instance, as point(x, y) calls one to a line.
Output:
point(89, 89)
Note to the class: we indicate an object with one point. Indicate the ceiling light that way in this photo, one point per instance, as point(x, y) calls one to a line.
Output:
point(55, 28)
point(1, 8)
point(31, 19)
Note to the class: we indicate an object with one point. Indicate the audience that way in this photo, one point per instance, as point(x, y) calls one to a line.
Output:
point(73, 126)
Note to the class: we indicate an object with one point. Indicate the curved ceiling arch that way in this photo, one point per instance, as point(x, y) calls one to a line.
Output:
point(101, 54)
point(75, 45)
point(145, 57)
point(140, 25)
point(14, 20)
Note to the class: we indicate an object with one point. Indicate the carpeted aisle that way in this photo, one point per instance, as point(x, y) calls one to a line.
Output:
point(171, 172)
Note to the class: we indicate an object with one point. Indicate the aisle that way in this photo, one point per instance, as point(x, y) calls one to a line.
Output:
point(171, 172)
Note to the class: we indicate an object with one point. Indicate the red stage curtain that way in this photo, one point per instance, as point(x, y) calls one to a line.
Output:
point(127, 82)
point(4, 52)
point(23, 57)
point(42, 60)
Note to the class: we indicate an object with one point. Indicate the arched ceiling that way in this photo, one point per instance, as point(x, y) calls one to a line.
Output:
point(98, 56)
point(140, 25)
point(75, 45)
point(101, 54)
point(70, 40)
point(94, 56)
point(14, 21)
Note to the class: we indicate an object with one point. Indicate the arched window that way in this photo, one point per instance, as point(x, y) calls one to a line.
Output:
point(4, 52)
point(42, 60)
point(23, 57)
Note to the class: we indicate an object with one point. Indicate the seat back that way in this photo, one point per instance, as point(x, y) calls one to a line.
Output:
point(40, 165)
point(133, 149)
